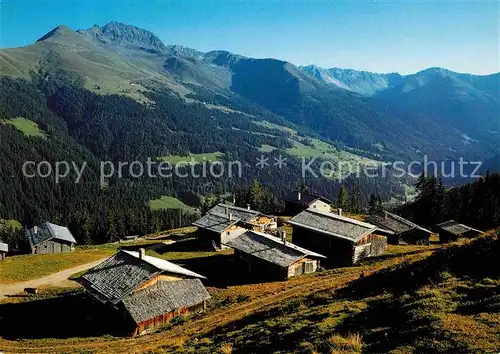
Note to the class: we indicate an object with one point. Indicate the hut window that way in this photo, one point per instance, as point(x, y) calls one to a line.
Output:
point(309, 267)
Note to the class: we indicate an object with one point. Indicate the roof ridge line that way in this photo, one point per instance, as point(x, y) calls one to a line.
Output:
point(280, 242)
point(343, 218)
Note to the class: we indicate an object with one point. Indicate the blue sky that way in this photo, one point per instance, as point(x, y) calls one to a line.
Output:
point(396, 36)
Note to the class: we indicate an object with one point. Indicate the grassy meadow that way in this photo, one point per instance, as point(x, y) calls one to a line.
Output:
point(27, 127)
point(167, 202)
point(193, 158)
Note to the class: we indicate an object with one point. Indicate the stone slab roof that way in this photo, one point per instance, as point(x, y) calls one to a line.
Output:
point(48, 231)
point(270, 248)
point(332, 224)
point(395, 223)
point(120, 274)
point(456, 228)
point(164, 297)
point(215, 222)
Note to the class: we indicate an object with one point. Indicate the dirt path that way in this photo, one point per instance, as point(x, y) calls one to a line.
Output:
point(59, 279)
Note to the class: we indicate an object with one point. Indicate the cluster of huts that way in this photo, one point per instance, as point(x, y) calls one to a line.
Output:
point(148, 292)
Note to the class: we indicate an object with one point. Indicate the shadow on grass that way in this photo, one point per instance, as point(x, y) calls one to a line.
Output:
point(224, 270)
point(397, 315)
point(69, 315)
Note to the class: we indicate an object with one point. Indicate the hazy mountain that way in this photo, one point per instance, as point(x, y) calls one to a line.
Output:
point(362, 82)
point(386, 115)
point(470, 103)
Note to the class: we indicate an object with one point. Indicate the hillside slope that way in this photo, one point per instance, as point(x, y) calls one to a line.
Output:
point(412, 299)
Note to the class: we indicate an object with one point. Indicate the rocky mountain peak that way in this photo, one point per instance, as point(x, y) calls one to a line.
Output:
point(116, 33)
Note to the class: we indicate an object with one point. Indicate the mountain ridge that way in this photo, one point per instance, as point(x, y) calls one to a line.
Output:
point(385, 114)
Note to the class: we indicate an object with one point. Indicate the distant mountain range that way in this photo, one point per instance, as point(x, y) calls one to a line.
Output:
point(435, 112)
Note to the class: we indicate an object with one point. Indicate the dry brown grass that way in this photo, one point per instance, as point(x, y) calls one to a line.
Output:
point(261, 297)
point(226, 348)
point(351, 344)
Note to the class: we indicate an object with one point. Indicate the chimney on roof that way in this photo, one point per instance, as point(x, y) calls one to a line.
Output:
point(226, 210)
point(230, 216)
point(339, 210)
point(234, 200)
point(142, 253)
point(248, 206)
point(35, 229)
point(283, 236)
point(299, 195)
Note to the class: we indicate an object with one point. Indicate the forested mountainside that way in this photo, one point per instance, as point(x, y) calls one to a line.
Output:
point(117, 93)
point(81, 127)
point(476, 204)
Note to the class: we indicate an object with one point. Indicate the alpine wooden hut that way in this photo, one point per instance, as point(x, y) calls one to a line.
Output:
point(225, 222)
point(403, 231)
point(451, 230)
point(4, 249)
point(296, 201)
point(269, 256)
point(148, 291)
point(343, 240)
point(50, 238)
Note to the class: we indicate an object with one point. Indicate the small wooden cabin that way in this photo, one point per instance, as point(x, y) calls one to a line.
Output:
point(4, 249)
point(224, 222)
point(296, 201)
point(148, 292)
point(50, 238)
point(450, 231)
point(343, 240)
point(403, 231)
point(267, 256)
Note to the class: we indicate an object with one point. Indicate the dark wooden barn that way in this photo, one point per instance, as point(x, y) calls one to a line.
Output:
point(296, 201)
point(267, 256)
point(225, 222)
point(450, 231)
point(147, 291)
point(50, 238)
point(343, 240)
point(403, 231)
point(4, 249)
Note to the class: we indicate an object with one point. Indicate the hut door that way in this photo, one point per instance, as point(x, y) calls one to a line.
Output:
point(308, 267)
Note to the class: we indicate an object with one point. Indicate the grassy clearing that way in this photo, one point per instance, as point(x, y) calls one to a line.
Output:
point(345, 161)
point(270, 125)
point(26, 267)
point(167, 202)
point(266, 148)
point(27, 127)
point(193, 158)
point(119, 87)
